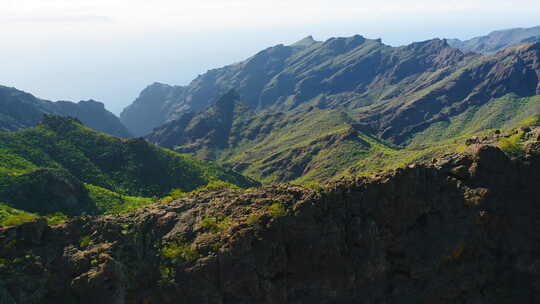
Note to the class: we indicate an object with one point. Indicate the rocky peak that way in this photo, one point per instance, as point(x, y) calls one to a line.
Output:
point(99, 106)
point(344, 44)
point(429, 46)
point(269, 60)
point(150, 108)
point(154, 89)
point(305, 42)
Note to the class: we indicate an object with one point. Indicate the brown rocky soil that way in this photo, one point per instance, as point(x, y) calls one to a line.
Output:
point(461, 229)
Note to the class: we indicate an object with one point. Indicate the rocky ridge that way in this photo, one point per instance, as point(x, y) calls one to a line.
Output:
point(497, 40)
point(459, 229)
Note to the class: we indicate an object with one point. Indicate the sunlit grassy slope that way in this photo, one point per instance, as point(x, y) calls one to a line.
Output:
point(61, 165)
point(504, 113)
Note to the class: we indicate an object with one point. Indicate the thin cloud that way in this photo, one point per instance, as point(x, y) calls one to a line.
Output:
point(56, 19)
point(195, 16)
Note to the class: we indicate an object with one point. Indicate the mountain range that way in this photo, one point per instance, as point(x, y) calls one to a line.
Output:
point(367, 99)
point(337, 171)
point(354, 73)
point(316, 110)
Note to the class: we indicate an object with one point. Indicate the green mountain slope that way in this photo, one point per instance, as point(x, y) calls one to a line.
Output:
point(306, 144)
point(314, 144)
point(512, 71)
point(60, 165)
point(20, 110)
point(499, 115)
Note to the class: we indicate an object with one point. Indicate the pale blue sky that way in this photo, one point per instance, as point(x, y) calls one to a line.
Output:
point(110, 50)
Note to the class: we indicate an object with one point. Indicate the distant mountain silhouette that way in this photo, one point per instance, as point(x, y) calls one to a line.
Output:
point(19, 110)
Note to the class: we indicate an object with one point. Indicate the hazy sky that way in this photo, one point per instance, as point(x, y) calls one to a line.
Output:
point(109, 50)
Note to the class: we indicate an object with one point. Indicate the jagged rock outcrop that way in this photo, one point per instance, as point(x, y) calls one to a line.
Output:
point(460, 229)
point(19, 110)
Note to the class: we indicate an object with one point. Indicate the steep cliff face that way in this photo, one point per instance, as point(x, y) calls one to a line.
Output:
point(460, 229)
point(151, 108)
point(19, 110)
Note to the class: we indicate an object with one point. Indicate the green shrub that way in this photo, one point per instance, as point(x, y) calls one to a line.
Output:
point(166, 274)
point(179, 252)
point(253, 219)
point(177, 193)
point(277, 210)
point(109, 202)
point(12, 217)
point(11, 244)
point(4, 263)
point(165, 200)
point(218, 185)
point(216, 224)
point(84, 241)
point(531, 121)
point(56, 218)
point(216, 246)
point(512, 145)
point(313, 185)
point(461, 148)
